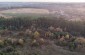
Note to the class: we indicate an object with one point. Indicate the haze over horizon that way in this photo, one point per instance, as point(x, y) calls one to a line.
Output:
point(67, 1)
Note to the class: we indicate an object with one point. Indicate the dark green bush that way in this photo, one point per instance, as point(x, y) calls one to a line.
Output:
point(72, 46)
point(8, 51)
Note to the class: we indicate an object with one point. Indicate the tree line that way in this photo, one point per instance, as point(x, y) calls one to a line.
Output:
point(76, 28)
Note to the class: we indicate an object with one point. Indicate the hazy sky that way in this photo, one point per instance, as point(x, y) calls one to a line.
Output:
point(42, 0)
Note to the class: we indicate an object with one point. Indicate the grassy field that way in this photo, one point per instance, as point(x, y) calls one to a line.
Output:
point(25, 12)
point(23, 15)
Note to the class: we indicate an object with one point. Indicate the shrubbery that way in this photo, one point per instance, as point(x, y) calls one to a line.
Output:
point(61, 30)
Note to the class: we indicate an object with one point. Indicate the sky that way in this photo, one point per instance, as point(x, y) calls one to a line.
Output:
point(42, 0)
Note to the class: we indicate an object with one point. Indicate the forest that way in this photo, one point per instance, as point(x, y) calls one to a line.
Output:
point(76, 28)
point(17, 33)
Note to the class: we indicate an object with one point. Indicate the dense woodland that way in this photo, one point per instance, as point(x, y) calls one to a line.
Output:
point(76, 28)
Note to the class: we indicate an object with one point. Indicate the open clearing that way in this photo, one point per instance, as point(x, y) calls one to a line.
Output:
point(26, 10)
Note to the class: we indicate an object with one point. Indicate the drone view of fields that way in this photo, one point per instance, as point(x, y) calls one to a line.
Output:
point(28, 28)
point(69, 11)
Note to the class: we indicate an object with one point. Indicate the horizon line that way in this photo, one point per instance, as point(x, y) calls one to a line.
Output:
point(39, 2)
